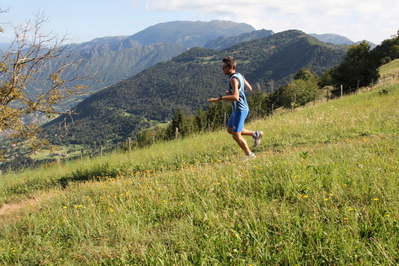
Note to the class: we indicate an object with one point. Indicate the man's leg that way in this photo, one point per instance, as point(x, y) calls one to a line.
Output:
point(247, 132)
point(256, 135)
point(236, 128)
point(237, 136)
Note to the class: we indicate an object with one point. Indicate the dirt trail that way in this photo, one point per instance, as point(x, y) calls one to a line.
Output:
point(10, 208)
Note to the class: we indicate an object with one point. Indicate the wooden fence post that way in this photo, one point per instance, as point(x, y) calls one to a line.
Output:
point(129, 143)
point(225, 120)
point(176, 133)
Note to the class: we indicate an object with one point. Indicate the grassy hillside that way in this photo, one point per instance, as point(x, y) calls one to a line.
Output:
point(322, 191)
point(390, 70)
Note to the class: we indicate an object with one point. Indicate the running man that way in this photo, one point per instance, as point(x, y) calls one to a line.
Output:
point(236, 95)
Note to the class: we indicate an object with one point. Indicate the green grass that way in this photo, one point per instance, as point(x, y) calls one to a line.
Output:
point(390, 69)
point(47, 154)
point(161, 125)
point(322, 191)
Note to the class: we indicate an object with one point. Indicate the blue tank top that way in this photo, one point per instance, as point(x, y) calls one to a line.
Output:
point(240, 105)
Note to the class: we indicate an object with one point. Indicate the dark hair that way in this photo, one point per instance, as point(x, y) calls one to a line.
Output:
point(230, 61)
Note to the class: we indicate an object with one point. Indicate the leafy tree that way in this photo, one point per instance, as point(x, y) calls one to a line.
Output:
point(326, 78)
point(200, 120)
point(259, 104)
point(145, 138)
point(394, 50)
point(387, 51)
point(218, 114)
point(301, 90)
point(306, 74)
point(182, 122)
point(21, 94)
point(359, 67)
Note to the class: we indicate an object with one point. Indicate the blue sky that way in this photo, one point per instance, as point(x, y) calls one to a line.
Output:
point(85, 20)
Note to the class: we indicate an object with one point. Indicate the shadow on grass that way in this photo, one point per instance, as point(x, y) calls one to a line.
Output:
point(108, 171)
point(100, 173)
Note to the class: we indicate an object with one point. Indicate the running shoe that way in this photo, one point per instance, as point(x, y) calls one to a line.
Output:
point(257, 136)
point(249, 156)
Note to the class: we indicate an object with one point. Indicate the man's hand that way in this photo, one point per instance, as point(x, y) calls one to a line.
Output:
point(211, 100)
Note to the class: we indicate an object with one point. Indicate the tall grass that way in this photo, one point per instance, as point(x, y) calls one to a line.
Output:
point(322, 191)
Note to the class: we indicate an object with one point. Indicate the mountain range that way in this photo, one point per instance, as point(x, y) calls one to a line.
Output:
point(187, 80)
point(112, 59)
point(149, 75)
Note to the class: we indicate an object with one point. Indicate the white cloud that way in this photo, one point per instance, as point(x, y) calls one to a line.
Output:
point(356, 19)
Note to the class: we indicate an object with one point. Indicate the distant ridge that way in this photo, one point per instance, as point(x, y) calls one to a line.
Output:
point(226, 41)
point(332, 38)
point(337, 39)
point(190, 34)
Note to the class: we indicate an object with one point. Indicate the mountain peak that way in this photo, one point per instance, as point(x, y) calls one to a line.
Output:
point(190, 33)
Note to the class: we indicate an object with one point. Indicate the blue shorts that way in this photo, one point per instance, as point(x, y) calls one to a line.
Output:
point(236, 121)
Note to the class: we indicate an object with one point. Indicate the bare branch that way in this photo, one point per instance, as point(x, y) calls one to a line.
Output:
point(36, 74)
point(3, 11)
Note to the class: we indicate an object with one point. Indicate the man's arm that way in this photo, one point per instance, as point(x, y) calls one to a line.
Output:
point(235, 95)
point(247, 86)
point(232, 97)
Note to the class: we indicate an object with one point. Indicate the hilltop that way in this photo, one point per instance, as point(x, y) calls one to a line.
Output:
point(190, 33)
